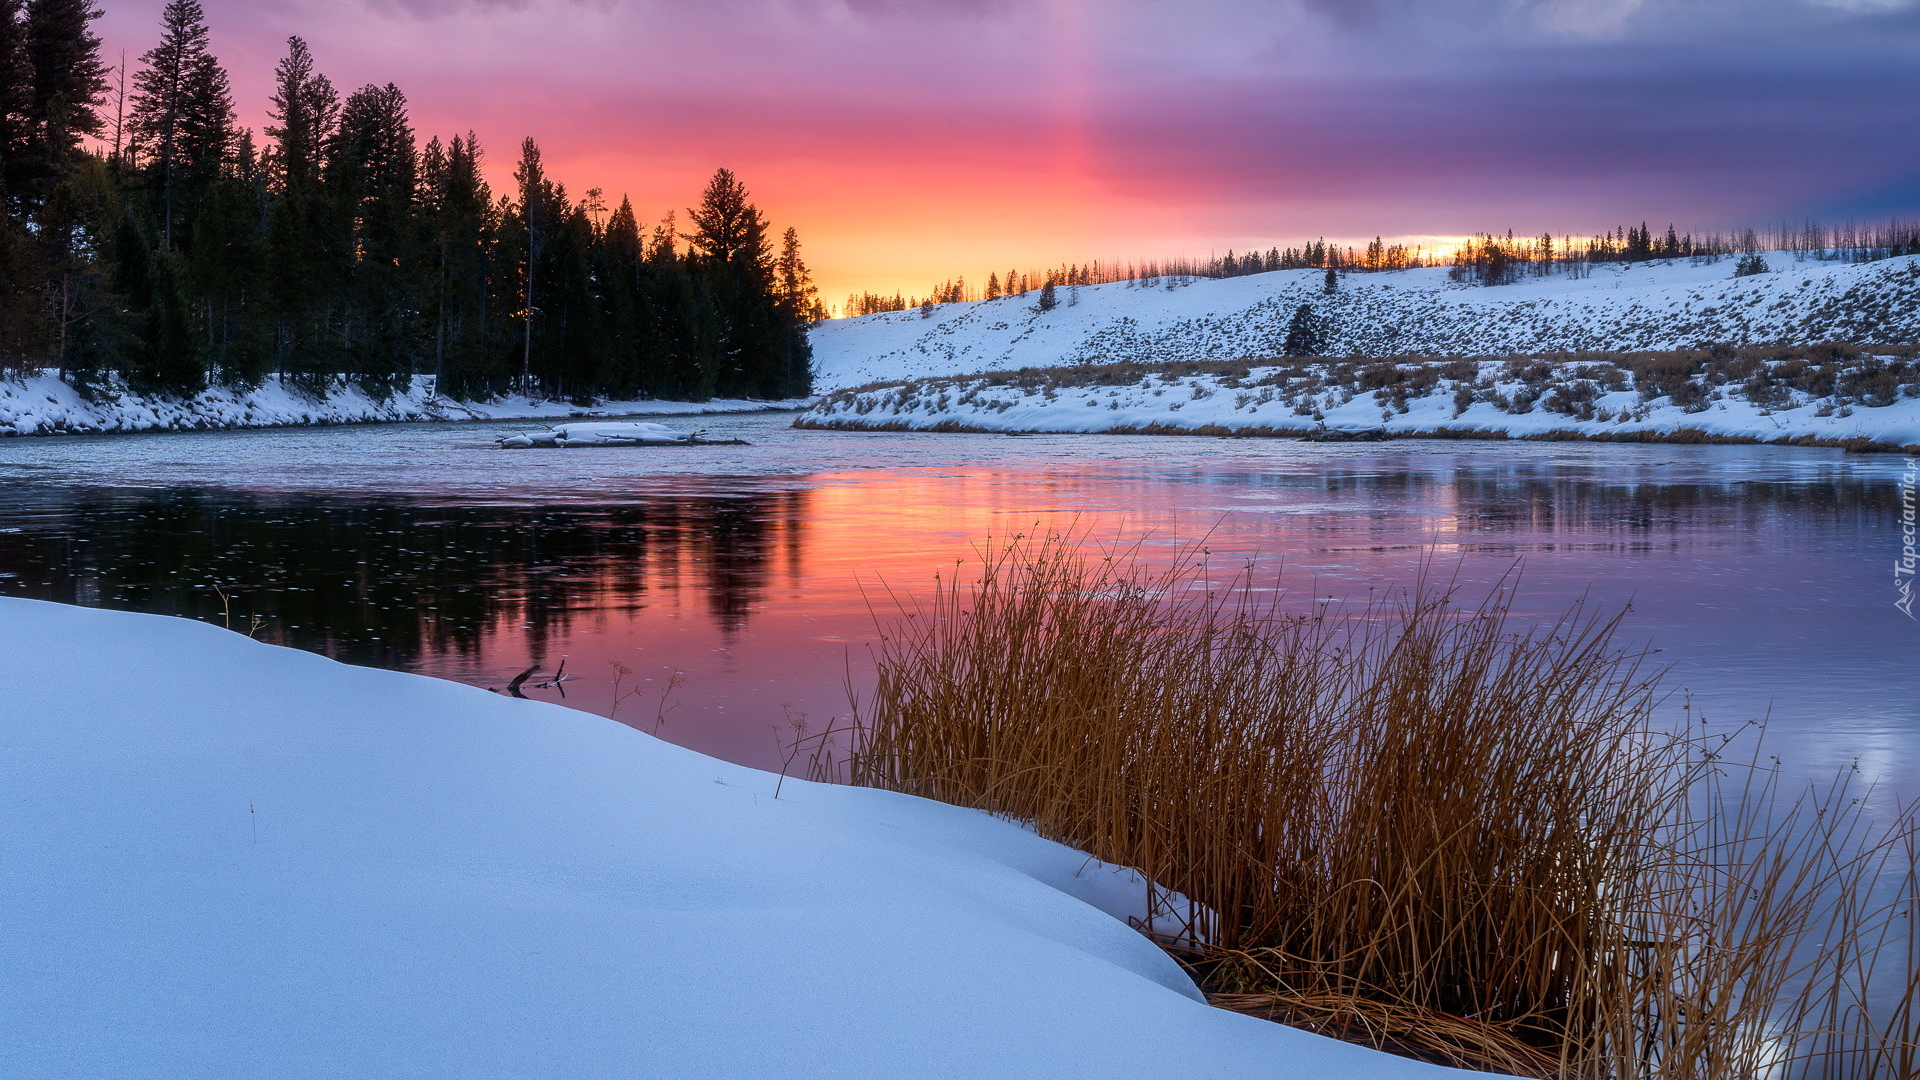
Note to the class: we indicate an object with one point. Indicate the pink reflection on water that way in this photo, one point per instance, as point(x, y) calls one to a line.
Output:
point(1761, 596)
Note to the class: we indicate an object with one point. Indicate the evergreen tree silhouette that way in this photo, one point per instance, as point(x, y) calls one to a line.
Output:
point(1305, 335)
point(64, 84)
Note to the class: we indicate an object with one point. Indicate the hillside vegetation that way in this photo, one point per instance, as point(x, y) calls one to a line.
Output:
point(1862, 398)
point(1678, 304)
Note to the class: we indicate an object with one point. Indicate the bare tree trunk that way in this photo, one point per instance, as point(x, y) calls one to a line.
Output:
point(526, 353)
point(119, 106)
point(440, 326)
point(66, 317)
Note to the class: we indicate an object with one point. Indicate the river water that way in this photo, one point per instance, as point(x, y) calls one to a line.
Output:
point(734, 583)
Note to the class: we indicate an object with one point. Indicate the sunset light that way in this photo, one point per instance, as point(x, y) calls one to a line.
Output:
point(960, 539)
point(910, 143)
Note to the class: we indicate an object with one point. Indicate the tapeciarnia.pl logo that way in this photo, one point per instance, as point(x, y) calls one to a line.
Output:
point(1904, 566)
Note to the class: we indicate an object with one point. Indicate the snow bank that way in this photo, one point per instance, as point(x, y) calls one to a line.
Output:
point(222, 858)
point(1271, 400)
point(601, 434)
point(46, 405)
point(1645, 306)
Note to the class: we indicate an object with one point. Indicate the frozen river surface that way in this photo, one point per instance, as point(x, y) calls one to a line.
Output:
point(732, 581)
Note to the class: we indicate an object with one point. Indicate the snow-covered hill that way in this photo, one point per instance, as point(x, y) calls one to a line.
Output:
point(1862, 403)
point(1648, 306)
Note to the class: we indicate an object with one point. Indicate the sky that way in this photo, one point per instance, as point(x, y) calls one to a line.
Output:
point(910, 142)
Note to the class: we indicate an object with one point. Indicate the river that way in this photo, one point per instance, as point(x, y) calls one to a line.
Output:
point(736, 584)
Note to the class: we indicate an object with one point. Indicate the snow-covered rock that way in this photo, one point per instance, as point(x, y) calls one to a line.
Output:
point(1647, 306)
point(220, 858)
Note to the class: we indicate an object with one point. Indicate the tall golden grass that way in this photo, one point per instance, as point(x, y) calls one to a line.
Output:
point(1411, 825)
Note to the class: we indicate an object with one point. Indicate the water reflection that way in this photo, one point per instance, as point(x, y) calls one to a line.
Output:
point(1760, 573)
point(391, 583)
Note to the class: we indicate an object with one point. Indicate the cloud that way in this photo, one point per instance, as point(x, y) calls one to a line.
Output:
point(1121, 126)
point(1591, 19)
point(1865, 7)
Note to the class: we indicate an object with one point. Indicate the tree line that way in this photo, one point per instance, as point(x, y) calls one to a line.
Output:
point(1490, 260)
point(1484, 259)
point(148, 236)
point(1319, 254)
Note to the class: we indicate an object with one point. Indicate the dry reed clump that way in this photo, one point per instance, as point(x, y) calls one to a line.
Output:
point(1411, 825)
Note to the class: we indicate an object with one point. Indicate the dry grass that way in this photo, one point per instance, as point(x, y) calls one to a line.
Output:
point(1413, 825)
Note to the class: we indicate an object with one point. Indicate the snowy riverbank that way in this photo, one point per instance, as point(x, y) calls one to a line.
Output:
point(45, 405)
point(1865, 402)
point(223, 858)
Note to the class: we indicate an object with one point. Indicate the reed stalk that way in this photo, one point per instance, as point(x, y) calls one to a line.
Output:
point(1416, 824)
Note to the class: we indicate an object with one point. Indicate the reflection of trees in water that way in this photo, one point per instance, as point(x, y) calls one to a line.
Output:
point(1501, 505)
point(1506, 501)
point(384, 582)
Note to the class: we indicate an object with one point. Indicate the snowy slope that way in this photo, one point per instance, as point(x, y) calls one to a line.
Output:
point(1665, 305)
point(45, 405)
point(220, 858)
point(1280, 401)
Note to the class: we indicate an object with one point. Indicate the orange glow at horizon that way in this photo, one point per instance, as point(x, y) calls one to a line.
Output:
point(910, 144)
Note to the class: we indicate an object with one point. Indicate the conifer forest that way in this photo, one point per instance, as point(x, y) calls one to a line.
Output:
point(150, 239)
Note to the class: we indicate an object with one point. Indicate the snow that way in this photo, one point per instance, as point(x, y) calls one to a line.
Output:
point(1215, 404)
point(45, 404)
point(1647, 306)
point(599, 434)
point(223, 858)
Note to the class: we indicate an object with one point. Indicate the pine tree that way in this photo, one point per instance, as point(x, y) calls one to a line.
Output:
point(794, 287)
point(1332, 281)
point(621, 265)
point(372, 177)
point(728, 229)
point(182, 111)
point(20, 276)
point(229, 262)
point(162, 355)
point(304, 262)
point(84, 315)
point(20, 306)
point(16, 97)
point(460, 228)
point(1639, 245)
point(1048, 301)
point(534, 216)
point(67, 82)
point(306, 110)
point(798, 305)
point(1305, 334)
point(732, 257)
point(579, 358)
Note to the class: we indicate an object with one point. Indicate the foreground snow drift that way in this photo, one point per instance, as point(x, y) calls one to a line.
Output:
point(221, 858)
point(45, 405)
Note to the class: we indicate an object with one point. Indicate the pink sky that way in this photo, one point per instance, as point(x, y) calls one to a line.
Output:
point(909, 142)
